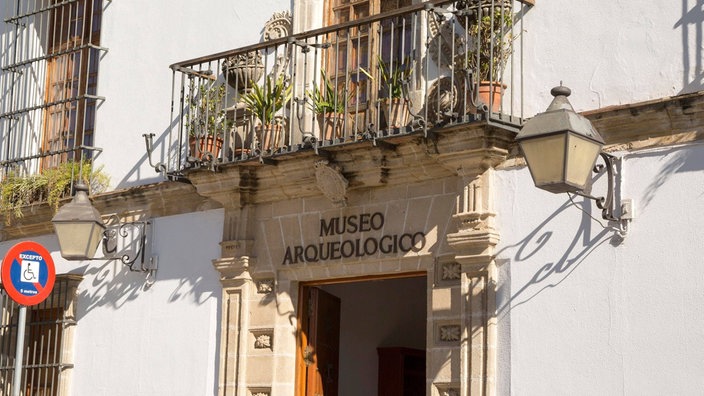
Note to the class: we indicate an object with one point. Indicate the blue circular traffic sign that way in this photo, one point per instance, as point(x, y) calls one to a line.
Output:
point(28, 273)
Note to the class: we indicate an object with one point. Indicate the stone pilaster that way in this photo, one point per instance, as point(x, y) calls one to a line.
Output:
point(474, 244)
point(235, 278)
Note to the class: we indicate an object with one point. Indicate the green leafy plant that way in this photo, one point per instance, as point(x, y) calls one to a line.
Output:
point(490, 44)
point(393, 77)
point(266, 100)
point(329, 99)
point(50, 186)
point(206, 116)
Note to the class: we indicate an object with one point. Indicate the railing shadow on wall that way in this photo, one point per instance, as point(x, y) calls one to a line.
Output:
point(410, 71)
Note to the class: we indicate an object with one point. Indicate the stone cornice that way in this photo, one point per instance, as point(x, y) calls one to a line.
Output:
point(151, 200)
point(661, 122)
point(460, 150)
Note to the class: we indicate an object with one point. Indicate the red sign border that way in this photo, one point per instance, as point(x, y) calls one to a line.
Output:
point(10, 288)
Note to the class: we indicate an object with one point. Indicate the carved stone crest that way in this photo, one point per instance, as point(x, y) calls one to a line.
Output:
point(331, 182)
point(279, 25)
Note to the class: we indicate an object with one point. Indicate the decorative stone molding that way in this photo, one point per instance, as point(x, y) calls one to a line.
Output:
point(446, 389)
point(263, 339)
point(279, 25)
point(448, 272)
point(331, 182)
point(449, 333)
point(443, 29)
point(474, 244)
point(265, 286)
point(259, 391)
point(232, 268)
point(238, 248)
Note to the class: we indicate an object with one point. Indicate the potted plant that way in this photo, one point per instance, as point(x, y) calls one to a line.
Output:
point(393, 104)
point(206, 122)
point(264, 102)
point(50, 186)
point(328, 104)
point(489, 31)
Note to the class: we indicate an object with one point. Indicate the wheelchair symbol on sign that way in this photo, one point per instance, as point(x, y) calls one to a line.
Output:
point(30, 271)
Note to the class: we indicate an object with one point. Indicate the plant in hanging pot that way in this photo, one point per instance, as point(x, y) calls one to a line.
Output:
point(490, 47)
point(264, 102)
point(328, 104)
point(392, 102)
point(206, 122)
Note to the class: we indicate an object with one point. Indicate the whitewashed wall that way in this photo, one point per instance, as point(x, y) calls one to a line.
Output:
point(581, 313)
point(612, 52)
point(156, 341)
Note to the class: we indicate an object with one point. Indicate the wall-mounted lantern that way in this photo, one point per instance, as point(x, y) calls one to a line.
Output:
point(561, 148)
point(80, 229)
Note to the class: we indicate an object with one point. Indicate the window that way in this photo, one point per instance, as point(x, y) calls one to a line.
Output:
point(357, 50)
point(72, 68)
point(48, 341)
point(49, 77)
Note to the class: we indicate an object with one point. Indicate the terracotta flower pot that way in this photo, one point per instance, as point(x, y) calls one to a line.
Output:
point(395, 112)
point(269, 136)
point(331, 125)
point(204, 146)
point(490, 94)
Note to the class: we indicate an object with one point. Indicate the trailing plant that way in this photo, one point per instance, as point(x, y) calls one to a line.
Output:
point(266, 100)
point(206, 116)
point(50, 186)
point(329, 99)
point(491, 43)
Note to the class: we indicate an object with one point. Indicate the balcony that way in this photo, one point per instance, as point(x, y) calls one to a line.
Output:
point(411, 72)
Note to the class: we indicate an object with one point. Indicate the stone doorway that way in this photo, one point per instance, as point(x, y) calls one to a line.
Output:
point(379, 326)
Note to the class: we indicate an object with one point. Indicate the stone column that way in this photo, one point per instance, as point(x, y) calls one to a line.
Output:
point(474, 244)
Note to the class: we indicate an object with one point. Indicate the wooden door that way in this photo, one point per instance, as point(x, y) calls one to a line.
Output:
point(319, 343)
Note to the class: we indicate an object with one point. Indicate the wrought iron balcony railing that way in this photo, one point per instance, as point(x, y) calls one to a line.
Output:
point(410, 71)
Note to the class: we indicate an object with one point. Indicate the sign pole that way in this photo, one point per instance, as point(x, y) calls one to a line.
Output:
point(28, 276)
point(19, 351)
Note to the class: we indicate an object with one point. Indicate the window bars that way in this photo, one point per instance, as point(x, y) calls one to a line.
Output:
point(51, 52)
point(48, 341)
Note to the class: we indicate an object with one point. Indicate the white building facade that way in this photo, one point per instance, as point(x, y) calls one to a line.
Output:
point(411, 257)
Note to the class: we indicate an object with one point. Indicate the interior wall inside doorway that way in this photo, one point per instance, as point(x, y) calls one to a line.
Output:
point(377, 313)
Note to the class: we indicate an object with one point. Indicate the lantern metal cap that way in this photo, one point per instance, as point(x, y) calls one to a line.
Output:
point(558, 118)
point(79, 209)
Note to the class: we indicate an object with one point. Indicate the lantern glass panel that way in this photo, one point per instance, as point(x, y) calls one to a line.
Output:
point(78, 240)
point(546, 158)
point(581, 157)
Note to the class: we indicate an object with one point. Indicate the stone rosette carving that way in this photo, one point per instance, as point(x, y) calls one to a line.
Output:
point(265, 286)
point(263, 340)
point(450, 271)
point(449, 333)
point(331, 182)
